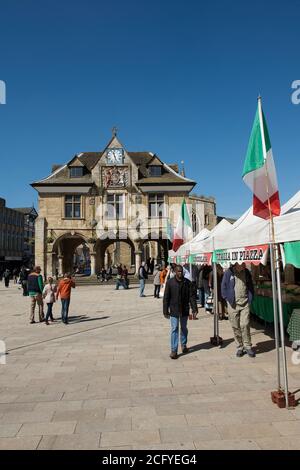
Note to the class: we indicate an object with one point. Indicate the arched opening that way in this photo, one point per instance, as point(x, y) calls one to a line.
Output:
point(82, 260)
point(156, 249)
point(112, 252)
point(71, 254)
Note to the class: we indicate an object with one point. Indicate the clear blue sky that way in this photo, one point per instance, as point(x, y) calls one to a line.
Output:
point(178, 78)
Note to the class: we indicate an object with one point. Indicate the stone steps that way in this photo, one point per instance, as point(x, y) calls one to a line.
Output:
point(93, 281)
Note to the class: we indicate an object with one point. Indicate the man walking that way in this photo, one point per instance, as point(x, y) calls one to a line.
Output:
point(142, 278)
point(35, 288)
point(6, 276)
point(237, 290)
point(178, 297)
point(64, 291)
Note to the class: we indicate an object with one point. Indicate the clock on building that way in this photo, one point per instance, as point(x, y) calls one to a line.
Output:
point(114, 156)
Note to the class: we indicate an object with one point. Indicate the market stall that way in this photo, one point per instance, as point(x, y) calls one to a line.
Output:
point(241, 245)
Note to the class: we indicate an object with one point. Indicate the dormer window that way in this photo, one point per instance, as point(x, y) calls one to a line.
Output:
point(155, 170)
point(76, 171)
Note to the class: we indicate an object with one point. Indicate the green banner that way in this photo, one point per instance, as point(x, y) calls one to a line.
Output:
point(292, 253)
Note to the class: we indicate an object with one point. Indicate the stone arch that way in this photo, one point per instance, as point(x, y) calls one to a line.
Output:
point(63, 251)
point(156, 245)
point(113, 249)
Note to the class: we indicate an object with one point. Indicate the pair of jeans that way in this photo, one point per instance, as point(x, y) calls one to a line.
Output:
point(122, 283)
point(142, 287)
point(156, 290)
point(65, 303)
point(201, 296)
point(49, 312)
point(174, 332)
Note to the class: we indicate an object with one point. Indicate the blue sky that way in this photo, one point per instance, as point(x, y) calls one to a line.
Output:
point(178, 78)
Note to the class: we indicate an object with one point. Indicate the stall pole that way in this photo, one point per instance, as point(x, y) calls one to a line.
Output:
point(282, 399)
point(289, 398)
point(216, 340)
point(276, 331)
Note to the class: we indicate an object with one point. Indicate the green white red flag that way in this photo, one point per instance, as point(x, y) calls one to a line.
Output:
point(183, 232)
point(259, 172)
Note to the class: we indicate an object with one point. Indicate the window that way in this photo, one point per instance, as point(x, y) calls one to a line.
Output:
point(73, 207)
point(206, 219)
point(194, 222)
point(115, 206)
point(155, 170)
point(156, 205)
point(76, 171)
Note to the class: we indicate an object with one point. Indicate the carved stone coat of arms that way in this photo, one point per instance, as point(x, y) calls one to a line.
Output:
point(115, 177)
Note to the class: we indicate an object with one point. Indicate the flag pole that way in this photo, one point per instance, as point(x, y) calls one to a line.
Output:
point(275, 264)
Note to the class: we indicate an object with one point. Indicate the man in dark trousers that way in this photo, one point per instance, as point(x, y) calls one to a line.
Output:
point(178, 297)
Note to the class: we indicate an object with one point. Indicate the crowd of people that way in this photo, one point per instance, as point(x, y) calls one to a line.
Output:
point(49, 293)
point(42, 294)
point(182, 292)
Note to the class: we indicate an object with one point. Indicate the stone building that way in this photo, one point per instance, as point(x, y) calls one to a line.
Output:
point(120, 206)
point(11, 236)
point(29, 216)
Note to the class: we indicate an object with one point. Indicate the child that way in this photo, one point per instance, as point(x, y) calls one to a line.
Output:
point(49, 296)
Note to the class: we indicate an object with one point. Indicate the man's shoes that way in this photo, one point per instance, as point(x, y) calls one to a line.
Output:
point(185, 350)
point(239, 353)
point(46, 322)
point(32, 321)
point(250, 352)
point(173, 355)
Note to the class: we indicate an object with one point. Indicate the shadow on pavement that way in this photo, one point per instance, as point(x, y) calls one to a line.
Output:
point(84, 318)
point(208, 345)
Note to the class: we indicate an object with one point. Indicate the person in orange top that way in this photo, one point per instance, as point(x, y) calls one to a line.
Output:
point(64, 291)
point(163, 275)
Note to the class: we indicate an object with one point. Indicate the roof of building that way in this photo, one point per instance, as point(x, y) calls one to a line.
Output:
point(26, 210)
point(61, 176)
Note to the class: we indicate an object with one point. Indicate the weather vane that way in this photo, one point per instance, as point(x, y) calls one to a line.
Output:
point(114, 131)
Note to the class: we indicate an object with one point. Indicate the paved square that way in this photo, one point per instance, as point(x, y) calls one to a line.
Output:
point(106, 380)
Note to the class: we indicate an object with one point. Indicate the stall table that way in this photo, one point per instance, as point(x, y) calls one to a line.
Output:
point(262, 305)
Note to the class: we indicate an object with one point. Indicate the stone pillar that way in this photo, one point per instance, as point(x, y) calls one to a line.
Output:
point(138, 261)
point(60, 265)
point(50, 267)
point(93, 263)
point(40, 244)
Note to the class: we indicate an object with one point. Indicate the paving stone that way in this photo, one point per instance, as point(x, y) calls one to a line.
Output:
point(26, 417)
point(9, 430)
point(156, 422)
point(144, 438)
point(79, 415)
point(39, 429)
point(20, 443)
point(228, 444)
point(101, 425)
point(62, 405)
point(87, 441)
point(247, 431)
point(176, 434)
point(288, 428)
point(279, 443)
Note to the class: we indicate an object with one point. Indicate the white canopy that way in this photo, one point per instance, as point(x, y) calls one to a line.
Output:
point(250, 230)
point(206, 245)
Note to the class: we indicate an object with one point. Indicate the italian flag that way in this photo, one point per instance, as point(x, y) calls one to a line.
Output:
point(259, 169)
point(183, 232)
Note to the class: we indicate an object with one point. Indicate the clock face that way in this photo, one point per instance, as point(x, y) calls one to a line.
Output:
point(114, 156)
